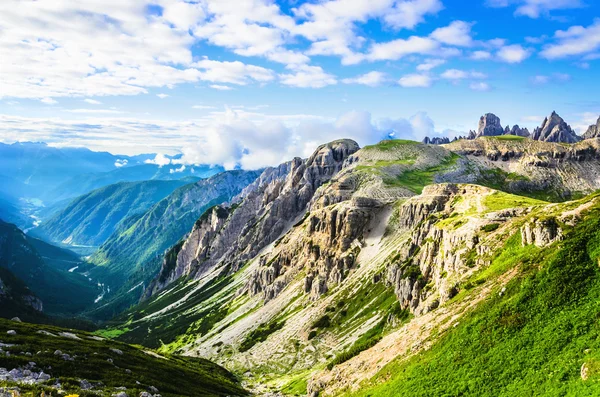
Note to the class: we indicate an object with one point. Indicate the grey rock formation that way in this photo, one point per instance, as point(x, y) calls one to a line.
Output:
point(555, 129)
point(517, 131)
point(230, 236)
point(489, 125)
point(541, 232)
point(436, 140)
point(593, 131)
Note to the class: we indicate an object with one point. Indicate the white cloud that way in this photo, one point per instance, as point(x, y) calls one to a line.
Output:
point(430, 64)
point(203, 107)
point(396, 49)
point(160, 159)
point(235, 72)
point(457, 74)
point(479, 86)
point(458, 33)
point(92, 101)
point(229, 138)
point(415, 80)
point(575, 41)
point(480, 55)
point(220, 87)
point(94, 111)
point(108, 47)
point(371, 79)
point(514, 53)
point(121, 163)
point(48, 101)
point(536, 8)
point(408, 14)
point(454, 74)
point(305, 76)
point(162, 96)
point(554, 78)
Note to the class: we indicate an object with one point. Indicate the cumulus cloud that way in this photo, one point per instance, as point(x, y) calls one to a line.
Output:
point(48, 101)
point(121, 163)
point(92, 101)
point(162, 96)
point(306, 76)
point(371, 79)
point(430, 64)
point(109, 47)
point(458, 33)
point(514, 53)
point(457, 74)
point(536, 8)
point(554, 78)
point(480, 55)
point(220, 87)
point(161, 160)
point(415, 80)
point(232, 138)
point(480, 86)
point(575, 41)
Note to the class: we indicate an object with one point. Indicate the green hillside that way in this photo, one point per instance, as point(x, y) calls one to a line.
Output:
point(45, 272)
point(88, 365)
point(93, 217)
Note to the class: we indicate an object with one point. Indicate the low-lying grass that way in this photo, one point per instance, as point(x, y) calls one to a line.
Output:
point(113, 363)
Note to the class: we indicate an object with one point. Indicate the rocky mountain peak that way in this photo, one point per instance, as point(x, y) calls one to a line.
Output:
point(518, 131)
point(555, 129)
point(261, 213)
point(489, 125)
point(593, 131)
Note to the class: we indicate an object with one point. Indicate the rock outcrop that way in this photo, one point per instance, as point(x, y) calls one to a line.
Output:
point(489, 125)
point(263, 211)
point(436, 140)
point(517, 131)
point(435, 257)
point(555, 129)
point(541, 232)
point(593, 131)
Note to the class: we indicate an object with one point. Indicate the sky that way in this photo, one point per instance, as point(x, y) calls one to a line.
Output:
point(253, 83)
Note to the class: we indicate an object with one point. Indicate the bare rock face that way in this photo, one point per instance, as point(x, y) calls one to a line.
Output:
point(260, 214)
point(541, 232)
point(555, 129)
point(593, 131)
point(518, 131)
point(325, 250)
point(489, 125)
point(436, 140)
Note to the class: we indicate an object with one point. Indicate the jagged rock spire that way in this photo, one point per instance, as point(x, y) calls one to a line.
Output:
point(593, 131)
point(555, 129)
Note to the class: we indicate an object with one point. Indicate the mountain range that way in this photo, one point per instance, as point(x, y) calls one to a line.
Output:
point(464, 267)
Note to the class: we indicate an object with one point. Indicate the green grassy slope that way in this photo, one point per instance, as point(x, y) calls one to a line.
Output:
point(533, 338)
point(61, 292)
point(93, 217)
point(133, 254)
point(112, 363)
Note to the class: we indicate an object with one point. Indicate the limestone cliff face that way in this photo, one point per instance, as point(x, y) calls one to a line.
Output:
point(259, 215)
point(555, 129)
point(426, 270)
point(593, 131)
point(324, 248)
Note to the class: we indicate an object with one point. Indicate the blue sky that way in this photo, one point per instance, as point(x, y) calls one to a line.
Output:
point(255, 82)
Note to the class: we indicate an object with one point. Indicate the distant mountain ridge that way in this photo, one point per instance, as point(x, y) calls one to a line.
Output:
point(552, 129)
point(91, 219)
point(132, 255)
